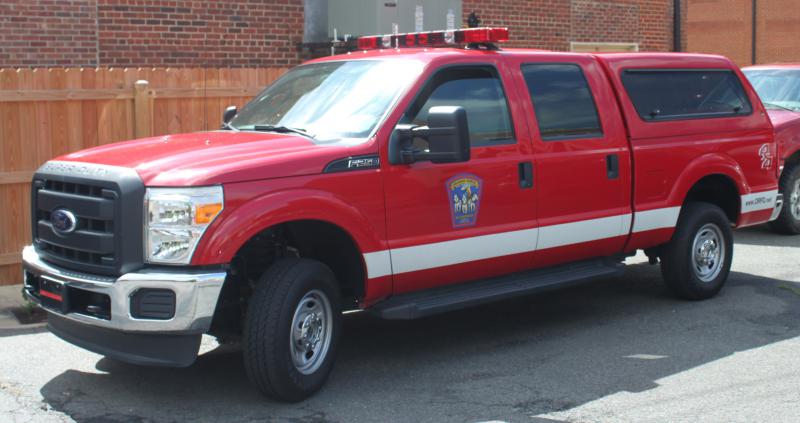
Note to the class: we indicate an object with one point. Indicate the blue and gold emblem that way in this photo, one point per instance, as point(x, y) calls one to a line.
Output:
point(464, 192)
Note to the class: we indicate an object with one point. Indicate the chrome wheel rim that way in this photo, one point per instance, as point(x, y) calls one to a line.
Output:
point(312, 330)
point(708, 252)
point(794, 200)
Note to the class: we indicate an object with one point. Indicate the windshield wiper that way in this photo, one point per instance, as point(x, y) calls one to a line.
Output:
point(768, 104)
point(282, 129)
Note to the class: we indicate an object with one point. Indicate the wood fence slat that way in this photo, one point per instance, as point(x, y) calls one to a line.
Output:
point(89, 115)
point(44, 146)
point(130, 76)
point(11, 140)
point(197, 105)
point(11, 274)
point(58, 114)
point(158, 78)
point(27, 130)
point(226, 81)
point(183, 77)
point(13, 214)
point(74, 112)
point(3, 118)
point(105, 115)
point(120, 109)
point(213, 111)
point(17, 177)
point(10, 258)
point(173, 104)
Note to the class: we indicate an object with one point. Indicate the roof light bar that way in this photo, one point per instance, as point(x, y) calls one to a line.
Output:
point(434, 38)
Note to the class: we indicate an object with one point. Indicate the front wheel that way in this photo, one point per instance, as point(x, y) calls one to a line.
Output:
point(696, 262)
point(788, 221)
point(291, 329)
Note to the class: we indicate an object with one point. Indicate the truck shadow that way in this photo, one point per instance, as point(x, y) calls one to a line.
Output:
point(509, 361)
point(762, 235)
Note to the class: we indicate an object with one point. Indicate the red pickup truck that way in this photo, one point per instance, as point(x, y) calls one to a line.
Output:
point(404, 179)
point(779, 89)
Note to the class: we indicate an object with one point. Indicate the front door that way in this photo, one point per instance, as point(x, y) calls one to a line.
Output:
point(463, 221)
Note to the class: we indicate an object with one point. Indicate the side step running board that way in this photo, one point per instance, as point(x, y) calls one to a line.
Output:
point(439, 300)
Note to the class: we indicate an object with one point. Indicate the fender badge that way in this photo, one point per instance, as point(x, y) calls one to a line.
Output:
point(464, 194)
point(766, 157)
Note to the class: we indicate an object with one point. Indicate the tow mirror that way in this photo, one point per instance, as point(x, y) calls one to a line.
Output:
point(229, 113)
point(447, 135)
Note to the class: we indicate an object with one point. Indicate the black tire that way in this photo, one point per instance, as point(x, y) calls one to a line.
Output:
point(683, 275)
point(267, 349)
point(788, 223)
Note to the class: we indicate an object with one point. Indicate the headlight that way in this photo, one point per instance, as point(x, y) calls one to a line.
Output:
point(176, 219)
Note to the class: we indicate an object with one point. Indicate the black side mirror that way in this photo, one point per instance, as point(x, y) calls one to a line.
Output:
point(447, 134)
point(229, 114)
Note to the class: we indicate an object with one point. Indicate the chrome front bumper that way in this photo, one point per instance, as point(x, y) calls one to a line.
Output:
point(196, 295)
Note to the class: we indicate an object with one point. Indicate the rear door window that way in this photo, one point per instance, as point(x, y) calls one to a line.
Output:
point(685, 94)
point(562, 100)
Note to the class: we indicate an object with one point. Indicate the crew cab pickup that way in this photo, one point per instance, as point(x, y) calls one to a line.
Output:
point(779, 89)
point(403, 179)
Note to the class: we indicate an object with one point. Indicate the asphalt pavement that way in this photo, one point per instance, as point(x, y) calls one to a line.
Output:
point(619, 350)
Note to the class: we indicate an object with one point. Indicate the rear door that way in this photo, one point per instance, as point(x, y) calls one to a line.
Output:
point(582, 167)
point(456, 222)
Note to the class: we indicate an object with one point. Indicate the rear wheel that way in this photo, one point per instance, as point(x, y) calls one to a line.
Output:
point(696, 262)
point(291, 329)
point(788, 221)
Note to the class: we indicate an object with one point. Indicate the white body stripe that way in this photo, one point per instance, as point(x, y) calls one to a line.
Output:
point(428, 256)
point(656, 219)
point(378, 263)
point(758, 201)
point(439, 254)
point(582, 231)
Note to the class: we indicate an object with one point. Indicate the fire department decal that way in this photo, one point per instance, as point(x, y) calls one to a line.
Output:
point(766, 157)
point(464, 192)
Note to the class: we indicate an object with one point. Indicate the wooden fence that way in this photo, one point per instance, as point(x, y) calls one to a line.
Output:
point(45, 113)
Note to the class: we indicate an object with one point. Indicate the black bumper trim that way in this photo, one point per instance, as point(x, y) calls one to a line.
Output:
point(165, 350)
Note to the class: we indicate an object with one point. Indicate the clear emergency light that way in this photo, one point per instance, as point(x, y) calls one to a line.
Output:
point(435, 38)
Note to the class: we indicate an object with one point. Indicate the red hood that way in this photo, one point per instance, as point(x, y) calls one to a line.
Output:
point(787, 131)
point(206, 158)
point(780, 117)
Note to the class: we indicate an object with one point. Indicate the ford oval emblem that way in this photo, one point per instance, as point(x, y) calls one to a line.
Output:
point(63, 221)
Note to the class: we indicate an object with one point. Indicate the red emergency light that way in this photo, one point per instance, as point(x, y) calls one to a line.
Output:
point(435, 38)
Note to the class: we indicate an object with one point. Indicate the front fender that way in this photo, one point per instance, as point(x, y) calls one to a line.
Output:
point(233, 228)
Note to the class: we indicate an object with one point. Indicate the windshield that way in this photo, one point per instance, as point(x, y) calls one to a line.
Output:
point(339, 101)
point(777, 87)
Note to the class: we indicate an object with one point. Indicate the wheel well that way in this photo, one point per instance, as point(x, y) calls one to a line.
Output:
point(312, 239)
point(719, 190)
point(792, 160)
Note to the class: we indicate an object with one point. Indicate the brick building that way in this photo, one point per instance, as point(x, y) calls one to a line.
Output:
point(747, 31)
point(271, 32)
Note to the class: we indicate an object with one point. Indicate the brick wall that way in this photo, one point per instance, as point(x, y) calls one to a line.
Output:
point(267, 32)
point(720, 27)
point(777, 30)
point(52, 32)
point(552, 24)
point(199, 33)
point(725, 27)
point(150, 32)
